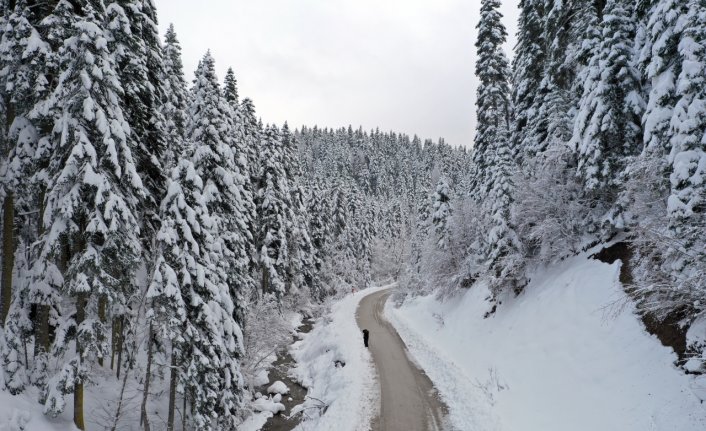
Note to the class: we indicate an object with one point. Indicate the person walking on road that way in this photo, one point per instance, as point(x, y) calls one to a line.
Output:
point(366, 334)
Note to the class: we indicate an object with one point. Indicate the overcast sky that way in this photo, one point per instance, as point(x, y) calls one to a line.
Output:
point(402, 65)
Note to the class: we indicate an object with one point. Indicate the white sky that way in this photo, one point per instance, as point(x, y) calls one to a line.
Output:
point(402, 65)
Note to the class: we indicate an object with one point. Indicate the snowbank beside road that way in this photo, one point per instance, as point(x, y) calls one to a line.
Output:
point(337, 370)
point(567, 354)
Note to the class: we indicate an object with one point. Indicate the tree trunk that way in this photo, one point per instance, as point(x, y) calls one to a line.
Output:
point(42, 329)
point(8, 255)
point(265, 280)
point(42, 325)
point(119, 410)
point(79, 246)
point(78, 391)
point(172, 394)
point(102, 303)
point(119, 346)
point(143, 414)
point(113, 341)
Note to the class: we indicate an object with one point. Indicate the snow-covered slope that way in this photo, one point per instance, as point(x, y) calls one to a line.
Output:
point(21, 413)
point(567, 354)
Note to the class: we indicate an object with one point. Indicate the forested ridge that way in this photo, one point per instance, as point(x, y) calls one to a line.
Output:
point(154, 230)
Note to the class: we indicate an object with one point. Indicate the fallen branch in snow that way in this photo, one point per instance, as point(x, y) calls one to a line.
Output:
point(492, 386)
point(300, 410)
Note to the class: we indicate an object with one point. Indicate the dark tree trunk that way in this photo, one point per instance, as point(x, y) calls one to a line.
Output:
point(173, 374)
point(8, 254)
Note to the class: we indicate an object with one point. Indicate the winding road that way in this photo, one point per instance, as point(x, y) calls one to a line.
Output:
point(408, 400)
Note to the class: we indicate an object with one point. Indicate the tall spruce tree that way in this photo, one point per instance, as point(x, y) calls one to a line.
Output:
point(492, 150)
point(230, 88)
point(23, 84)
point(527, 72)
point(203, 261)
point(492, 100)
point(241, 146)
point(26, 59)
point(688, 124)
point(300, 265)
point(134, 38)
point(608, 126)
point(441, 213)
point(317, 209)
point(274, 208)
point(90, 248)
point(175, 99)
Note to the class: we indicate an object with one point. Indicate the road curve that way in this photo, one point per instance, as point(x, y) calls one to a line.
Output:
point(408, 400)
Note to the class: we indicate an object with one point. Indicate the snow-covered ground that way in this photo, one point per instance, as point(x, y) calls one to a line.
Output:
point(21, 413)
point(567, 354)
point(338, 371)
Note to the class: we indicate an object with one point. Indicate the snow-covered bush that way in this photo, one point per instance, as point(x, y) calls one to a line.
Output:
point(266, 331)
point(668, 265)
point(547, 214)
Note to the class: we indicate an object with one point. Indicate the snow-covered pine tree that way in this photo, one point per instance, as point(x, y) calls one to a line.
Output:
point(607, 129)
point(90, 247)
point(300, 265)
point(25, 57)
point(659, 61)
point(230, 88)
point(17, 334)
point(274, 208)
point(317, 210)
point(181, 262)
point(23, 84)
point(668, 250)
point(133, 37)
point(225, 172)
point(201, 268)
point(441, 212)
point(493, 185)
point(566, 26)
point(252, 136)
point(674, 135)
point(242, 153)
point(501, 241)
point(492, 103)
point(527, 71)
point(688, 124)
point(175, 99)
point(687, 158)
point(422, 217)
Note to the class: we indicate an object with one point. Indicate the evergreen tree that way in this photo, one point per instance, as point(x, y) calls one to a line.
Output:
point(241, 148)
point(90, 247)
point(175, 99)
point(25, 57)
point(252, 140)
point(274, 208)
point(134, 38)
point(527, 71)
point(442, 212)
point(317, 209)
point(568, 28)
point(688, 124)
point(492, 104)
point(203, 261)
point(607, 129)
point(300, 267)
point(230, 88)
point(493, 161)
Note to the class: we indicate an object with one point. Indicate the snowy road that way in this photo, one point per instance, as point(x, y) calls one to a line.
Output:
point(408, 399)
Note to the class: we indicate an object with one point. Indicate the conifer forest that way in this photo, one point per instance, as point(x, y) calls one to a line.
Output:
point(159, 238)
